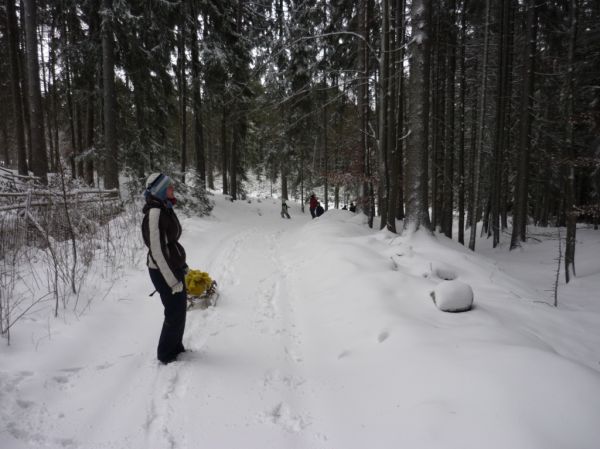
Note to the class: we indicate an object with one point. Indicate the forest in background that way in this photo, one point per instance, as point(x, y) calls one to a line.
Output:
point(423, 111)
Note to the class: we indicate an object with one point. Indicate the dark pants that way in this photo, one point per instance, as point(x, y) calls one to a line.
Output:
point(170, 342)
point(312, 212)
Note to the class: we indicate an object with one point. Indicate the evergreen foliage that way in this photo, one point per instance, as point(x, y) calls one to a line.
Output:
point(501, 124)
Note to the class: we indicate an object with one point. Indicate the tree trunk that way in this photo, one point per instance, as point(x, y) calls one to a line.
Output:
point(438, 125)
point(396, 203)
point(302, 178)
point(15, 79)
point(69, 98)
point(4, 140)
point(24, 72)
point(284, 181)
point(462, 119)
point(475, 174)
point(89, 76)
point(89, 141)
point(471, 212)
point(416, 189)
point(501, 111)
point(519, 230)
point(54, 101)
point(235, 149)
point(448, 203)
point(182, 94)
point(210, 159)
point(325, 148)
point(224, 158)
point(71, 116)
point(197, 102)
point(79, 137)
point(111, 178)
point(45, 84)
point(571, 215)
point(363, 97)
point(384, 99)
point(397, 192)
point(39, 161)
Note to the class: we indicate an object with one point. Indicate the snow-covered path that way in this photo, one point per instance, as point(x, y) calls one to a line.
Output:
point(241, 377)
point(324, 336)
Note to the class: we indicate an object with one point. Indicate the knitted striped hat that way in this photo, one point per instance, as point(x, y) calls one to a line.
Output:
point(157, 184)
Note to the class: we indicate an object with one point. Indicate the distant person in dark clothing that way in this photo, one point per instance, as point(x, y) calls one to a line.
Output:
point(345, 207)
point(166, 262)
point(313, 205)
point(352, 207)
point(319, 210)
point(284, 210)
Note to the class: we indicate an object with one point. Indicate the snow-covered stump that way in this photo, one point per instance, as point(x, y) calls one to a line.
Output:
point(453, 296)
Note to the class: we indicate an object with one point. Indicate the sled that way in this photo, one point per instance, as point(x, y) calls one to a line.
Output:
point(202, 290)
point(205, 300)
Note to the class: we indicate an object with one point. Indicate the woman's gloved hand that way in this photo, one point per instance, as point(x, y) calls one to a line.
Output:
point(177, 288)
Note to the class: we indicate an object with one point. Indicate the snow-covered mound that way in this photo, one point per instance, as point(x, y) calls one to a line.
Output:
point(453, 296)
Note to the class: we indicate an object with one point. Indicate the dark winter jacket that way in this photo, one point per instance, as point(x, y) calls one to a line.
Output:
point(313, 202)
point(161, 231)
point(320, 211)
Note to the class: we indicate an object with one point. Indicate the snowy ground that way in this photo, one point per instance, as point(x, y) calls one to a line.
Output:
point(324, 336)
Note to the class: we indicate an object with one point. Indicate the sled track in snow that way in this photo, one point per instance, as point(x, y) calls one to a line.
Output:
point(163, 423)
point(275, 311)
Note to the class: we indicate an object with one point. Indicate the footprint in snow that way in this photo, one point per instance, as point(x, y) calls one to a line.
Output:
point(24, 404)
point(104, 366)
point(383, 336)
point(282, 415)
point(61, 379)
point(71, 370)
point(343, 354)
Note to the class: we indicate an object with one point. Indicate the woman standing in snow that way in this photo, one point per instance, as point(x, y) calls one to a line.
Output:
point(166, 262)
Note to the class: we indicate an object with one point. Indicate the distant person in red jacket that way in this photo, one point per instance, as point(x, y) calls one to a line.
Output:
point(313, 205)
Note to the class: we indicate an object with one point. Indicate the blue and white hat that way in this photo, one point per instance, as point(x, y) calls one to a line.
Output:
point(157, 184)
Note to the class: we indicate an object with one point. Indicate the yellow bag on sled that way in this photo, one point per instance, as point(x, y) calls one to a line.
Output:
point(201, 290)
point(197, 282)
